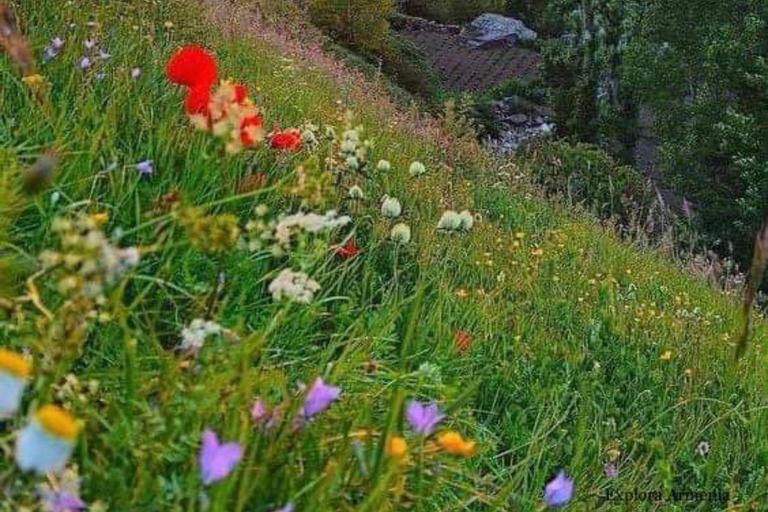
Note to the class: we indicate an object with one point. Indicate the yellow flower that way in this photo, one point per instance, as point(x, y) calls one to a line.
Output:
point(168, 24)
point(33, 80)
point(396, 447)
point(613, 454)
point(58, 422)
point(462, 293)
point(666, 356)
point(453, 443)
point(14, 364)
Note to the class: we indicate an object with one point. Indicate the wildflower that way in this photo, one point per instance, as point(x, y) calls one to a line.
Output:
point(348, 250)
point(449, 221)
point(53, 49)
point(197, 103)
point(47, 441)
point(355, 192)
point(259, 411)
point(353, 163)
point(14, 372)
point(417, 169)
point(453, 443)
point(104, 54)
point(462, 293)
point(423, 418)
point(33, 80)
point(89, 43)
point(217, 460)
point(294, 286)
point(192, 66)
point(395, 447)
point(85, 63)
point(391, 207)
point(467, 220)
point(168, 24)
point(61, 494)
point(461, 340)
point(287, 140)
point(193, 337)
point(319, 398)
point(666, 356)
point(401, 233)
point(289, 226)
point(287, 508)
point(558, 491)
point(702, 449)
point(610, 470)
point(101, 76)
point(145, 168)
point(613, 454)
point(384, 166)
point(135, 73)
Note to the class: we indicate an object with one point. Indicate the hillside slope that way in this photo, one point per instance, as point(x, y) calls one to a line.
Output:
point(544, 339)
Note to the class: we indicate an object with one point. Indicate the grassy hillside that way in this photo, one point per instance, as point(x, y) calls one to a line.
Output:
point(544, 339)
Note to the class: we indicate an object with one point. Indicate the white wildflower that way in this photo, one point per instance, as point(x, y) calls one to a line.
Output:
point(401, 233)
point(450, 221)
point(391, 207)
point(294, 286)
point(193, 336)
point(355, 192)
point(384, 166)
point(467, 220)
point(291, 225)
point(417, 169)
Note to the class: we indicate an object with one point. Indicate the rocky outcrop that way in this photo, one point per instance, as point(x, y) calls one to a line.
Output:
point(517, 124)
point(490, 29)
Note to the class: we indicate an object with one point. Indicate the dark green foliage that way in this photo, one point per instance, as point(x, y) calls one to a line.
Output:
point(451, 11)
point(585, 173)
point(407, 66)
point(360, 23)
point(701, 67)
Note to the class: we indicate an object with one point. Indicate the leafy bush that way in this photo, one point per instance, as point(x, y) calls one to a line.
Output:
point(360, 23)
point(585, 173)
point(451, 11)
point(406, 64)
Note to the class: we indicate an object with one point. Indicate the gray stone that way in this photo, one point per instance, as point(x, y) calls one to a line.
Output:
point(495, 28)
point(518, 119)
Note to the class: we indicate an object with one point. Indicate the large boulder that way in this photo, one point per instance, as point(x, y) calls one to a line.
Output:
point(488, 29)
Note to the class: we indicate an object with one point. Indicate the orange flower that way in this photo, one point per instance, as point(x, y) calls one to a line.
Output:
point(192, 66)
point(462, 340)
point(396, 447)
point(288, 140)
point(453, 443)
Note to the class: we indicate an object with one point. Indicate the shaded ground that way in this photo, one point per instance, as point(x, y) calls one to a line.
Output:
point(474, 69)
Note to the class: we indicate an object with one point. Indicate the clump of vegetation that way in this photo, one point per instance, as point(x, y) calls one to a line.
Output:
point(359, 23)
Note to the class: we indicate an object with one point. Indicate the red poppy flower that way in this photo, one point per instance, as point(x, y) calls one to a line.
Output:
point(241, 92)
point(348, 250)
point(246, 138)
point(197, 100)
point(192, 66)
point(288, 140)
point(462, 340)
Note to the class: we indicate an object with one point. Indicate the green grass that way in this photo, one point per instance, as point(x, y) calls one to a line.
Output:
point(568, 324)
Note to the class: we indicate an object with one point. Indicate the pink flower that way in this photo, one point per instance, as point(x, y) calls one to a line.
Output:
point(319, 398)
point(423, 417)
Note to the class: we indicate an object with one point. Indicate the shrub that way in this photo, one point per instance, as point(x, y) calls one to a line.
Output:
point(451, 11)
point(359, 23)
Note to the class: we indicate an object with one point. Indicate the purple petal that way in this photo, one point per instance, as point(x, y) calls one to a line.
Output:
point(559, 491)
point(217, 460)
point(145, 168)
point(423, 418)
point(62, 501)
point(319, 397)
point(135, 73)
point(287, 508)
point(57, 42)
point(85, 63)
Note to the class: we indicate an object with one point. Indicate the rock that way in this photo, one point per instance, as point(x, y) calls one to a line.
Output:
point(518, 119)
point(495, 28)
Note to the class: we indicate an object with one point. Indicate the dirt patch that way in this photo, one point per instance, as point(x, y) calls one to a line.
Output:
point(474, 69)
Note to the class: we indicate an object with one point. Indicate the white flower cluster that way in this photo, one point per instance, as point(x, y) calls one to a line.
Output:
point(354, 152)
point(193, 336)
point(417, 169)
point(391, 207)
point(294, 286)
point(91, 262)
point(280, 234)
point(452, 221)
